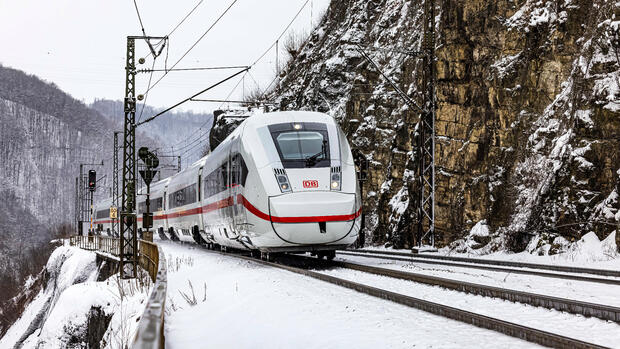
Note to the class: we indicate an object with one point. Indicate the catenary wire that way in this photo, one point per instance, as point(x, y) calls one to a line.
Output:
point(181, 22)
point(282, 34)
point(139, 17)
point(195, 43)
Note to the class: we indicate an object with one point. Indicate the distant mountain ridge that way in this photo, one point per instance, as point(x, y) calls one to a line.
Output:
point(173, 130)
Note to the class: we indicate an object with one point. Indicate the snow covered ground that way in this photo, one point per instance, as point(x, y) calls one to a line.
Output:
point(240, 304)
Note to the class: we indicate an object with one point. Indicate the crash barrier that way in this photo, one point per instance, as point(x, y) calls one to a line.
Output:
point(150, 332)
point(104, 244)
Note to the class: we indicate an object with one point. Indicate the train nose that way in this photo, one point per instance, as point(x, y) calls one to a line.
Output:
point(313, 217)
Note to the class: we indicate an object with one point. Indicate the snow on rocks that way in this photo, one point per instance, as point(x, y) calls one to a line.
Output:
point(59, 315)
point(66, 266)
point(247, 305)
point(473, 243)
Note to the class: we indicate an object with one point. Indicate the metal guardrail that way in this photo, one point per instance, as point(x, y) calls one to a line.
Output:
point(104, 244)
point(150, 332)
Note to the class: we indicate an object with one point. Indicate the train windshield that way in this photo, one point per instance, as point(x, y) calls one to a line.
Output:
point(301, 145)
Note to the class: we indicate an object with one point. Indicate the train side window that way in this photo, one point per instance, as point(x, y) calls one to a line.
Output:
point(223, 180)
point(239, 171)
point(244, 170)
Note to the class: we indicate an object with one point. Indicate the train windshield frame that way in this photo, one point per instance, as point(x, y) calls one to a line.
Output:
point(302, 144)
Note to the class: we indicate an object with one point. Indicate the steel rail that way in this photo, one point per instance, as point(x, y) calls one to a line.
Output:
point(604, 312)
point(508, 328)
point(484, 267)
point(560, 268)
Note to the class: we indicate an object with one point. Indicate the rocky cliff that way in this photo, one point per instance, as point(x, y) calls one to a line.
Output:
point(528, 114)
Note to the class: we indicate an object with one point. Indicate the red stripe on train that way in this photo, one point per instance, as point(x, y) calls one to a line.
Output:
point(255, 211)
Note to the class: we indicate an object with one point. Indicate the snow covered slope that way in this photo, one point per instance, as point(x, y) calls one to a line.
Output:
point(74, 310)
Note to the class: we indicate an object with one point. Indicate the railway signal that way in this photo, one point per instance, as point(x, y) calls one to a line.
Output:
point(92, 180)
point(151, 161)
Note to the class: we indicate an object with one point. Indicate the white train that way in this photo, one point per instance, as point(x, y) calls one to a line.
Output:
point(281, 182)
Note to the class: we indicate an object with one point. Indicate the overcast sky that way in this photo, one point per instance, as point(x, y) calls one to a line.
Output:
point(80, 44)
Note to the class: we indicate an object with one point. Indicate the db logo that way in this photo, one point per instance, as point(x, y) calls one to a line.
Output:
point(311, 184)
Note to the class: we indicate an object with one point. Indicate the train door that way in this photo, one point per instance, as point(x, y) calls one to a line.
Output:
point(238, 174)
point(227, 210)
point(201, 194)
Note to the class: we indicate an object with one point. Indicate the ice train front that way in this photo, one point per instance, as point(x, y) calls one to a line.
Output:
point(305, 195)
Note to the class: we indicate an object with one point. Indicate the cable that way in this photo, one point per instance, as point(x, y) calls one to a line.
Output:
point(189, 144)
point(267, 51)
point(183, 20)
point(195, 95)
point(146, 94)
point(192, 69)
point(231, 91)
point(195, 43)
point(282, 34)
point(139, 17)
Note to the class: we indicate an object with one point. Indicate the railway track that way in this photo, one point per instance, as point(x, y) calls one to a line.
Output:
point(529, 334)
point(586, 309)
point(501, 266)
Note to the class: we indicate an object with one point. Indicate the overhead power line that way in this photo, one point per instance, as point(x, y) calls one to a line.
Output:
point(267, 51)
point(146, 95)
point(183, 20)
point(232, 90)
point(195, 43)
point(194, 96)
point(139, 17)
point(191, 69)
point(282, 34)
point(217, 100)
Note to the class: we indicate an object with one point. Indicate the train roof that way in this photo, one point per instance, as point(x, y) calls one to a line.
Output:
point(265, 119)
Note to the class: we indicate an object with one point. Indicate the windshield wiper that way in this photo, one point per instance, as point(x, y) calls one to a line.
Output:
point(312, 160)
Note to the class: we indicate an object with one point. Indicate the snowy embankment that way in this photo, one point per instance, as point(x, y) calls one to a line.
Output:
point(221, 301)
point(588, 252)
point(73, 309)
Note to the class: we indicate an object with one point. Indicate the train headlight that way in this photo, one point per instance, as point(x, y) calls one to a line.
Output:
point(335, 182)
point(282, 179)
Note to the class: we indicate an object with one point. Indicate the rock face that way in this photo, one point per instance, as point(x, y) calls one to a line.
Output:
point(528, 113)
